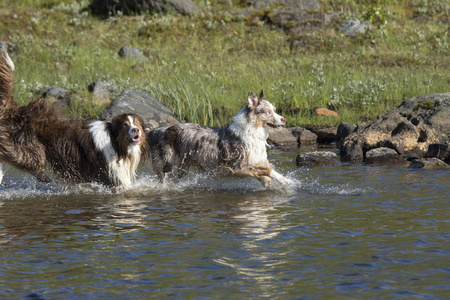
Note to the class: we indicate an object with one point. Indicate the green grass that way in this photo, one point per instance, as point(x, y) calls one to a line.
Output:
point(202, 67)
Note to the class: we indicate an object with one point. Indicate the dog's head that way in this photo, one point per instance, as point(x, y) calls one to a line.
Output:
point(128, 129)
point(265, 112)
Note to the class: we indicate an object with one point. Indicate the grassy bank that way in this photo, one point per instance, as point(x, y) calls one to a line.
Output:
point(202, 67)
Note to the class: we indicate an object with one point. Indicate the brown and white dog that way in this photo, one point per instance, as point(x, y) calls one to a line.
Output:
point(39, 133)
point(239, 149)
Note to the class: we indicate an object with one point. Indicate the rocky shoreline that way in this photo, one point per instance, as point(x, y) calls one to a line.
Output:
point(416, 133)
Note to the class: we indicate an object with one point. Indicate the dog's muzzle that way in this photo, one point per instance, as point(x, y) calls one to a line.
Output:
point(135, 136)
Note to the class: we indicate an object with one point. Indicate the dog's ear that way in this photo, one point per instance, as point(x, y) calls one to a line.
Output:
point(261, 95)
point(253, 101)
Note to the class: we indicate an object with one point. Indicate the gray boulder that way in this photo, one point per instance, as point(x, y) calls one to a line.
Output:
point(429, 163)
point(309, 5)
point(184, 7)
point(54, 94)
point(317, 158)
point(352, 151)
point(154, 113)
point(304, 136)
point(298, 22)
point(418, 127)
point(132, 52)
point(281, 137)
point(354, 26)
point(111, 7)
point(384, 156)
point(102, 91)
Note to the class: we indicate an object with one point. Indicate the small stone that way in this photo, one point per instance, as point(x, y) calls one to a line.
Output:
point(317, 158)
point(429, 163)
point(384, 156)
point(326, 112)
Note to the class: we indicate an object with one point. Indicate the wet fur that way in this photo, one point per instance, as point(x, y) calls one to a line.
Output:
point(39, 133)
point(239, 149)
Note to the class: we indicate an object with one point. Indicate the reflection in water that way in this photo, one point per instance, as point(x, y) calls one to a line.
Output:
point(259, 221)
point(340, 232)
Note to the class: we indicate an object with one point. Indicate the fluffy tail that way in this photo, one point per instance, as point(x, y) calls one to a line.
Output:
point(6, 82)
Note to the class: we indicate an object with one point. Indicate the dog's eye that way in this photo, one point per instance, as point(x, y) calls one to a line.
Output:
point(268, 112)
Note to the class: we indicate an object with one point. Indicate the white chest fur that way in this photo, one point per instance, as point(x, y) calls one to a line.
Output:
point(121, 171)
point(254, 139)
point(256, 145)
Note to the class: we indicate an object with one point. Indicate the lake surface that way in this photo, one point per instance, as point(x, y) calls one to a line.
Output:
point(340, 232)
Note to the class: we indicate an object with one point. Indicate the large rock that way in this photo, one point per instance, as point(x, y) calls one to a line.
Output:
point(111, 7)
point(298, 22)
point(352, 151)
point(384, 156)
point(304, 136)
point(317, 158)
point(55, 94)
point(429, 163)
point(154, 113)
point(343, 131)
point(418, 127)
point(102, 91)
point(354, 26)
point(132, 53)
point(281, 137)
point(309, 5)
point(326, 135)
point(439, 151)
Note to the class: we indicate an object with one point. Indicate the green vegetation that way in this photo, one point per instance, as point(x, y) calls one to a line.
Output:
point(202, 67)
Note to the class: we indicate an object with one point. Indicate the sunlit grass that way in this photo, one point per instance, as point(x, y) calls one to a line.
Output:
point(203, 67)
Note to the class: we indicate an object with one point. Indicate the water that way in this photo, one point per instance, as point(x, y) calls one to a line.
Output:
point(341, 232)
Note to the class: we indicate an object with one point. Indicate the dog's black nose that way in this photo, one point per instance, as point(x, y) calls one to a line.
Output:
point(135, 130)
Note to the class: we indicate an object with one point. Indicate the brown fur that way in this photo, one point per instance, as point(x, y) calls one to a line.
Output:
point(18, 145)
point(39, 133)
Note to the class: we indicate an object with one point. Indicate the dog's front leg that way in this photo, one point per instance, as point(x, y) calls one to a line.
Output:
point(280, 178)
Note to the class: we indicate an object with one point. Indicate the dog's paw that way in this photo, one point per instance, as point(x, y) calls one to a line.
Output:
point(41, 177)
point(286, 181)
point(280, 178)
point(265, 180)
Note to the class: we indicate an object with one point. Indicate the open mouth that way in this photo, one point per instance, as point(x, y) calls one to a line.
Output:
point(276, 127)
point(136, 139)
